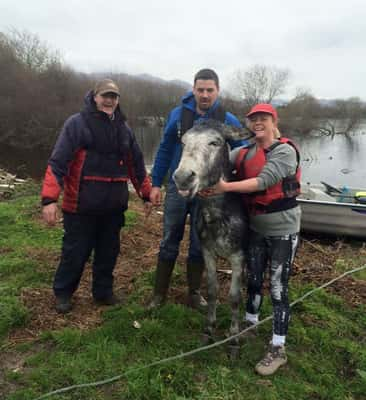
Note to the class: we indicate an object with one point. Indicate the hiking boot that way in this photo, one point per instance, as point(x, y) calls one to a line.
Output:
point(112, 300)
point(196, 301)
point(63, 304)
point(156, 302)
point(252, 333)
point(273, 360)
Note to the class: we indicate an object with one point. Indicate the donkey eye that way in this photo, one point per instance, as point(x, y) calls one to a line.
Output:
point(214, 143)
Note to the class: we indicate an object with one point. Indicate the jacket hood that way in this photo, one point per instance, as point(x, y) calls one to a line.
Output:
point(189, 102)
point(91, 107)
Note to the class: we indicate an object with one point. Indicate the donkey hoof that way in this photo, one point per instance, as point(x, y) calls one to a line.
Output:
point(207, 339)
point(233, 352)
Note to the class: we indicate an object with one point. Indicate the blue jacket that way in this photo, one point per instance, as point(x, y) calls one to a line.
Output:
point(170, 149)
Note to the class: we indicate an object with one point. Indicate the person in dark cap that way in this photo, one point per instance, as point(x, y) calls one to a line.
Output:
point(95, 156)
point(197, 105)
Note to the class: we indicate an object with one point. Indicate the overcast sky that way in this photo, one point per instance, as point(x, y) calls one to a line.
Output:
point(321, 42)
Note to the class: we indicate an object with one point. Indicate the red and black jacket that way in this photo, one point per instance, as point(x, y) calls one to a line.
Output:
point(279, 197)
point(92, 161)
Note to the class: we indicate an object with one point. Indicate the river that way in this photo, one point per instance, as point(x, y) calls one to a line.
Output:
point(337, 161)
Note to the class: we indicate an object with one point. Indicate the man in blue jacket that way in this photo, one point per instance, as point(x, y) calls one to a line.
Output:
point(201, 103)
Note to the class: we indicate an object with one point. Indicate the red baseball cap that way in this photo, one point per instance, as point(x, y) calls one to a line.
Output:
point(264, 108)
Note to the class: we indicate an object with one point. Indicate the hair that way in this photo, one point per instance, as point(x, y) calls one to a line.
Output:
point(207, 74)
point(277, 133)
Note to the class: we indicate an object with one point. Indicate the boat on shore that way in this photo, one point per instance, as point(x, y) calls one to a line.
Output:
point(330, 210)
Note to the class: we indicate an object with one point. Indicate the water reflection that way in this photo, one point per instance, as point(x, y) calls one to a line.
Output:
point(338, 161)
point(149, 139)
point(32, 163)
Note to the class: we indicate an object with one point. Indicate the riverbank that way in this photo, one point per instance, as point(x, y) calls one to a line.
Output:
point(42, 350)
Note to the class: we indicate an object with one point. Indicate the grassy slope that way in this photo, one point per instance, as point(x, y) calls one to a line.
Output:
point(22, 242)
point(326, 344)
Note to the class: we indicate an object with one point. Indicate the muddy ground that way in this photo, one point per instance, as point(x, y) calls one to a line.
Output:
point(315, 263)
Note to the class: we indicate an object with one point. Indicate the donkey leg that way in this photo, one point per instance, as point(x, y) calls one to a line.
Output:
point(235, 301)
point(211, 298)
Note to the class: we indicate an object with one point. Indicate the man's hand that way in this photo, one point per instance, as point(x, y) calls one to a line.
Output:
point(155, 196)
point(50, 213)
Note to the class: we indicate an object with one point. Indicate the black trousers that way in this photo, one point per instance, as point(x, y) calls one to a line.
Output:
point(82, 235)
point(277, 253)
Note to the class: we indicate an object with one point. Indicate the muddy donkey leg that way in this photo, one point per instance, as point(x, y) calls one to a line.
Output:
point(236, 261)
point(211, 298)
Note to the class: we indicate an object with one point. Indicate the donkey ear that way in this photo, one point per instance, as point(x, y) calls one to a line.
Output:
point(235, 133)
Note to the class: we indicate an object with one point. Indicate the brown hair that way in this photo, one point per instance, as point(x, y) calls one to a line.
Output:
point(207, 74)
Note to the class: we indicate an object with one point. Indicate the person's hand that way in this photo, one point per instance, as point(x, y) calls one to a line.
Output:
point(206, 192)
point(155, 196)
point(50, 213)
point(220, 187)
point(213, 190)
point(147, 208)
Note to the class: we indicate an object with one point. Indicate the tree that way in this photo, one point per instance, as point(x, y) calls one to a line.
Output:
point(351, 112)
point(302, 113)
point(30, 50)
point(260, 84)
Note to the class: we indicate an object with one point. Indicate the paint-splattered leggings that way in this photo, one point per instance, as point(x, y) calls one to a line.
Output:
point(278, 253)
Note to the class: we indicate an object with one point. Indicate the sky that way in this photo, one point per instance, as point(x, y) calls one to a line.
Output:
point(321, 42)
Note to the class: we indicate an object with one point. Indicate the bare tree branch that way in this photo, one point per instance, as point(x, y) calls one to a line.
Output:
point(260, 84)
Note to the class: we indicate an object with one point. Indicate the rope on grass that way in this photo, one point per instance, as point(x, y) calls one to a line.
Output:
point(199, 349)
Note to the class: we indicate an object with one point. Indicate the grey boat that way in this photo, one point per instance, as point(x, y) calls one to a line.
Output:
point(330, 210)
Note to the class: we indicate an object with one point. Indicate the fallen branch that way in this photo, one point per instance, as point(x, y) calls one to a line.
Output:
point(8, 182)
point(316, 247)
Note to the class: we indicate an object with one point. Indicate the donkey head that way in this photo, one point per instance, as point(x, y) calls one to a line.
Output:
point(205, 156)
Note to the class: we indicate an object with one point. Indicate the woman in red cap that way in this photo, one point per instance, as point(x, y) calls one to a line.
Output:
point(269, 178)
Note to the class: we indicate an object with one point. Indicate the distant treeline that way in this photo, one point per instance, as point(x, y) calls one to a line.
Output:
point(38, 92)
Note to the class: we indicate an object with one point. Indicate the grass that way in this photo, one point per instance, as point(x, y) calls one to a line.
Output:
point(22, 242)
point(325, 350)
point(326, 343)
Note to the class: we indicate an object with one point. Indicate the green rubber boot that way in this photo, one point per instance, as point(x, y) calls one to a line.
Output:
point(163, 274)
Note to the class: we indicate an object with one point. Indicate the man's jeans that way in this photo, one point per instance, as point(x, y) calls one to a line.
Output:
point(176, 209)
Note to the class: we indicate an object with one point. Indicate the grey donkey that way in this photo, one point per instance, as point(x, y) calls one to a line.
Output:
point(222, 224)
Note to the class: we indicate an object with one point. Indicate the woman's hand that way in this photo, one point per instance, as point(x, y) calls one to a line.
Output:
point(219, 188)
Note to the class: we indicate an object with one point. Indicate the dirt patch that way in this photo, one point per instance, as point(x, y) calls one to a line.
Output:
point(15, 362)
point(315, 263)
